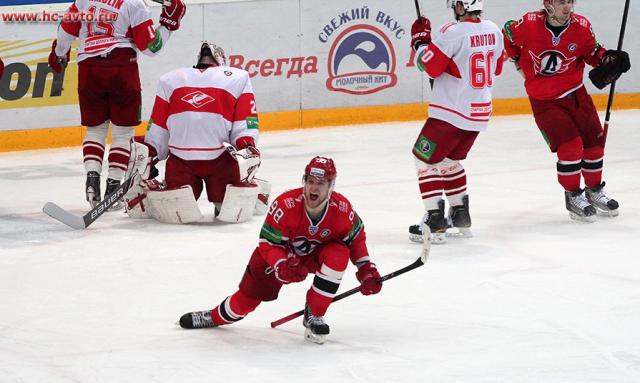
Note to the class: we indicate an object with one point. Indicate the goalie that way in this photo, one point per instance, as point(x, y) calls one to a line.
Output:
point(205, 124)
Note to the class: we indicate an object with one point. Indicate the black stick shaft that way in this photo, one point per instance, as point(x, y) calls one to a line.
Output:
point(612, 90)
point(417, 8)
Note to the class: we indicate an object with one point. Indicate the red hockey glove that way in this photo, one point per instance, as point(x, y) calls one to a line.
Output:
point(369, 279)
point(1, 68)
point(57, 63)
point(172, 14)
point(420, 32)
point(290, 270)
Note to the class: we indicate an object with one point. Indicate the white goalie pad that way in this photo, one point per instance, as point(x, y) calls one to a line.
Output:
point(175, 206)
point(248, 162)
point(239, 203)
point(262, 203)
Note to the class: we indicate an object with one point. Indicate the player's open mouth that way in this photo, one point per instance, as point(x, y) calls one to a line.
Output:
point(313, 196)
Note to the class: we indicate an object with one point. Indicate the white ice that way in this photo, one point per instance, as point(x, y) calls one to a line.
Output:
point(532, 297)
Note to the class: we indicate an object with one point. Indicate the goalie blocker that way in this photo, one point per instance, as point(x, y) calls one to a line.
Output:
point(150, 199)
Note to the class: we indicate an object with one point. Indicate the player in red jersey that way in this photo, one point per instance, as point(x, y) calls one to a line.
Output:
point(550, 48)
point(308, 230)
point(108, 81)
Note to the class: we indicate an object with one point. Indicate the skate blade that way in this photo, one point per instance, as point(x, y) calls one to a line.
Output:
point(607, 213)
point(438, 238)
point(459, 232)
point(314, 338)
point(581, 218)
point(416, 238)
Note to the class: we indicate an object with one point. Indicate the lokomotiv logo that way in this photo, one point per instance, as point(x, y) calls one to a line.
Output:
point(361, 61)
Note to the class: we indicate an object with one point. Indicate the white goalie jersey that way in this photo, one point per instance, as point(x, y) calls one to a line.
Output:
point(197, 111)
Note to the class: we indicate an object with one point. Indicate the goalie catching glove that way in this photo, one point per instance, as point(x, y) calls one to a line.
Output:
point(612, 65)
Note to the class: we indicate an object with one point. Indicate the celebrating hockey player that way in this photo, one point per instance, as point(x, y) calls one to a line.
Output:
point(108, 79)
point(463, 58)
point(205, 124)
point(309, 230)
point(550, 48)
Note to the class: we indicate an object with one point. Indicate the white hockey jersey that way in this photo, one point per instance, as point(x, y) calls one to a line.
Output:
point(196, 111)
point(464, 58)
point(120, 24)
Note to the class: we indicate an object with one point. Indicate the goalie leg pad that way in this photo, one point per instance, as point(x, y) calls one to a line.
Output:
point(239, 203)
point(175, 206)
point(262, 203)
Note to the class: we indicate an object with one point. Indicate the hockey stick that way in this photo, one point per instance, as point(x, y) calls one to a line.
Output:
point(426, 248)
point(417, 7)
point(612, 90)
point(79, 222)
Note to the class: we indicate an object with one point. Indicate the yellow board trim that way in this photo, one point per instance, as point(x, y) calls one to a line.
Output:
point(72, 136)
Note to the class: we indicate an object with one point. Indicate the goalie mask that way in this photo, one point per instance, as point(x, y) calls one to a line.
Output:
point(213, 51)
point(469, 5)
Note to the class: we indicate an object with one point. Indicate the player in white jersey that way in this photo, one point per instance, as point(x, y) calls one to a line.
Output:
point(462, 58)
point(205, 124)
point(108, 79)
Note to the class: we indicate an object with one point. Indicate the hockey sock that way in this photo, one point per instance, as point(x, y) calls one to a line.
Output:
point(455, 183)
point(592, 164)
point(233, 308)
point(119, 151)
point(430, 183)
point(334, 258)
point(569, 164)
point(93, 147)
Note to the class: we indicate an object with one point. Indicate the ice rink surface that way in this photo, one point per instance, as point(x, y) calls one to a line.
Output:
point(532, 297)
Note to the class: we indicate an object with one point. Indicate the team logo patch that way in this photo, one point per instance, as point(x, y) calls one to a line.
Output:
point(550, 63)
point(325, 233)
point(289, 203)
point(316, 172)
point(252, 123)
point(555, 41)
point(342, 206)
point(198, 99)
point(361, 61)
point(303, 246)
point(572, 47)
point(313, 229)
point(228, 73)
point(424, 148)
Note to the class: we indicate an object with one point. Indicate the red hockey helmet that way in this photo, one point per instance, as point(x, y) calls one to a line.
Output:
point(321, 168)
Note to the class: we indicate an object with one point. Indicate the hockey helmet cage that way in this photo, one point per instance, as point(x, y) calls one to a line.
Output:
point(321, 168)
point(469, 5)
point(213, 51)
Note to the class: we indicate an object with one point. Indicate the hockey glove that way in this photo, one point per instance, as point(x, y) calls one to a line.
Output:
point(290, 270)
point(612, 65)
point(172, 14)
point(420, 33)
point(57, 63)
point(369, 279)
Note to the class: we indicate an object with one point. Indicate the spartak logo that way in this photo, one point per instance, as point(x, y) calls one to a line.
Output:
point(198, 99)
point(361, 61)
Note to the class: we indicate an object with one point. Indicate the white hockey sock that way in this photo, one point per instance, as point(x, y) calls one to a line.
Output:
point(119, 151)
point(93, 147)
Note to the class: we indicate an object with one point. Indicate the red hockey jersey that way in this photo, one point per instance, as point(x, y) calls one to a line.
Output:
point(289, 230)
point(553, 66)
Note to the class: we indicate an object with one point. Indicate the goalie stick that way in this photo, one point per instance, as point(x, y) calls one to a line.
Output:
point(426, 249)
point(79, 222)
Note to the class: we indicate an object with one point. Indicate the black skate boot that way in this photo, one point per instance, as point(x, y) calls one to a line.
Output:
point(92, 188)
point(112, 185)
point(579, 208)
point(316, 329)
point(603, 204)
point(197, 319)
point(436, 223)
point(460, 218)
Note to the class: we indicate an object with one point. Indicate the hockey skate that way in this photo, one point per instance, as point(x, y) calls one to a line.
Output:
point(197, 319)
point(579, 208)
point(459, 220)
point(316, 329)
point(603, 204)
point(112, 186)
point(436, 223)
point(92, 188)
